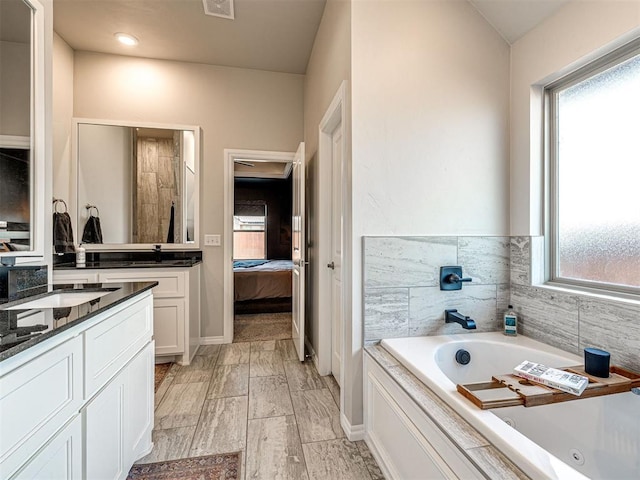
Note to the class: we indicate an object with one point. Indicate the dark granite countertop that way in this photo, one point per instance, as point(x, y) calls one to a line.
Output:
point(21, 329)
point(128, 264)
point(130, 259)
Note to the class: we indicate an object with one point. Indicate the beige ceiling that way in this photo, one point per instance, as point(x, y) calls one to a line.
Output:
point(275, 35)
point(513, 18)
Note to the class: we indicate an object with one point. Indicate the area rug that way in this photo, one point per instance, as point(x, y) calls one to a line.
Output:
point(210, 467)
point(263, 326)
point(161, 371)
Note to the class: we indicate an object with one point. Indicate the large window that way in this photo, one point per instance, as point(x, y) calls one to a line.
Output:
point(594, 195)
point(249, 232)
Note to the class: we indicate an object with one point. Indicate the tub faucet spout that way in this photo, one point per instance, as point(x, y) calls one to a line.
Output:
point(451, 316)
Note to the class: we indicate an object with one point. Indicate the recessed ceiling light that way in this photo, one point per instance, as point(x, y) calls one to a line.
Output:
point(126, 39)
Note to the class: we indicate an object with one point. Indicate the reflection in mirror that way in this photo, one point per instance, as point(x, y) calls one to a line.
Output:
point(15, 126)
point(136, 184)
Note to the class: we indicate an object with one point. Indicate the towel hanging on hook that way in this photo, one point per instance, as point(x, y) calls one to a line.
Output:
point(92, 232)
point(62, 229)
point(171, 233)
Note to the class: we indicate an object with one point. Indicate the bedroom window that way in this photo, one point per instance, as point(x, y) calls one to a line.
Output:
point(594, 159)
point(249, 232)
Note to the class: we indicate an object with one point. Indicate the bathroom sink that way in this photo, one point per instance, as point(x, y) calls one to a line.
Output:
point(60, 300)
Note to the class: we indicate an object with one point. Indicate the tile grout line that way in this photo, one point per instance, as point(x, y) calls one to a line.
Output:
point(295, 416)
point(204, 401)
point(245, 455)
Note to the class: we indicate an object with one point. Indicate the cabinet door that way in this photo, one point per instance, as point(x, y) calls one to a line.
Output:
point(119, 420)
point(139, 405)
point(36, 399)
point(168, 325)
point(105, 432)
point(60, 459)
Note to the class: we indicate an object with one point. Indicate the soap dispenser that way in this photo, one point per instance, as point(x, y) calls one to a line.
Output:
point(510, 322)
point(81, 256)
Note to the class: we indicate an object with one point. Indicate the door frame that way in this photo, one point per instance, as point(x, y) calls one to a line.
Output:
point(335, 115)
point(230, 155)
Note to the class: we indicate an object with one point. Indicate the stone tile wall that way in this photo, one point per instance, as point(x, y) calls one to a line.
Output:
point(402, 295)
point(568, 320)
point(157, 184)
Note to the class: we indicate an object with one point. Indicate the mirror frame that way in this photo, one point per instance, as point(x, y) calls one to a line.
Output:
point(37, 138)
point(74, 204)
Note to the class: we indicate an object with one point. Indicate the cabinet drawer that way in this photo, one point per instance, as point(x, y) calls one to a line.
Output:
point(36, 399)
point(110, 344)
point(170, 284)
point(74, 276)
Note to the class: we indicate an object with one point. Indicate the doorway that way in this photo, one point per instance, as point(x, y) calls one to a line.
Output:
point(255, 224)
point(333, 245)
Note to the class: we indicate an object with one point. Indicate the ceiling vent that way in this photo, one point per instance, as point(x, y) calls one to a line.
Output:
point(219, 8)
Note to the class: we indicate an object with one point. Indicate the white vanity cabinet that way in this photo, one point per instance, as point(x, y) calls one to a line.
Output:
point(80, 404)
point(408, 443)
point(176, 303)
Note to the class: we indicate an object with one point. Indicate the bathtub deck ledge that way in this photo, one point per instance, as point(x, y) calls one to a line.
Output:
point(478, 450)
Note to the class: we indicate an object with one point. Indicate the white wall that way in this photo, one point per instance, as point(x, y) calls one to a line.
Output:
point(15, 70)
point(329, 65)
point(106, 153)
point(430, 83)
point(236, 108)
point(578, 33)
point(62, 123)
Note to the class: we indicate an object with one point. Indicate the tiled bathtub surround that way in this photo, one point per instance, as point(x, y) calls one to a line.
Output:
point(402, 295)
point(568, 320)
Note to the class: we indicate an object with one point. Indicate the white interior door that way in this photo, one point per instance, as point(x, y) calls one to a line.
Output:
point(298, 252)
point(336, 251)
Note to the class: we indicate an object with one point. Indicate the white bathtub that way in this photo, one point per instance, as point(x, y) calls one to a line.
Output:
point(597, 438)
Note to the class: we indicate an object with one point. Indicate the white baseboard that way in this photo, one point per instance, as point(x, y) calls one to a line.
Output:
point(219, 340)
point(353, 432)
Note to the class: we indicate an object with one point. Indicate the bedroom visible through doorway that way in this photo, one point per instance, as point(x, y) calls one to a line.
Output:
point(260, 296)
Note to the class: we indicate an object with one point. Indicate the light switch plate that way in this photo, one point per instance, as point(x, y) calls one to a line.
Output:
point(212, 240)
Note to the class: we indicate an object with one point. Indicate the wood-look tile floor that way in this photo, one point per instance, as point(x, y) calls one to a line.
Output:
point(256, 397)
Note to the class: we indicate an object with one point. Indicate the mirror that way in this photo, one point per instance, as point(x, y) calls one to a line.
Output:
point(137, 185)
point(18, 83)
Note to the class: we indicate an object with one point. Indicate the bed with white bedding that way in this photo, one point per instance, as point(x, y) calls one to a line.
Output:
point(254, 280)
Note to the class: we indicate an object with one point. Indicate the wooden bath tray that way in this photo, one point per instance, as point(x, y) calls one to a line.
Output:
point(510, 390)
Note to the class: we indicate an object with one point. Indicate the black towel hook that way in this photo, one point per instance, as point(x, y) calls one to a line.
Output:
point(90, 207)
point(55, 205)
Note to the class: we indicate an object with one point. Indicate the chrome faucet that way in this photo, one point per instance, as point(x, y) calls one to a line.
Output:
point(452, 316)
